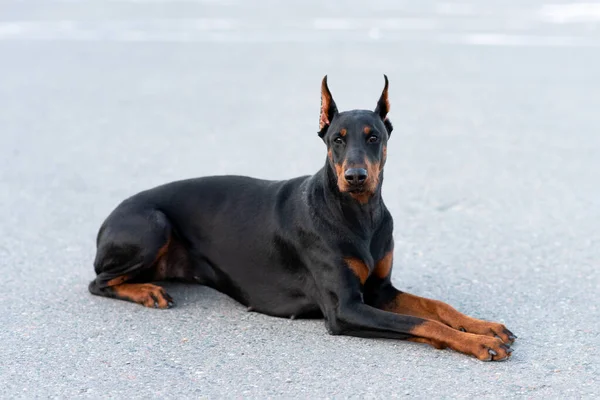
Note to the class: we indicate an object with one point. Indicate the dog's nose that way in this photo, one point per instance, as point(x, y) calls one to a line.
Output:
point(355, 176)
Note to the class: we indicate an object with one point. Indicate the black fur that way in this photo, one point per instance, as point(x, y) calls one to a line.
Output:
point(304, 247)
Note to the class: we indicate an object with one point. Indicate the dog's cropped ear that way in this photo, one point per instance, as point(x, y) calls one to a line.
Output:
point(328, 108)
point(383, 107)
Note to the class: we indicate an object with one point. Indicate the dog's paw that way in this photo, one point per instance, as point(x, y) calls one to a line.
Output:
point(492, 349)
point(484, 348)
point(492, 329)
point(146, 294)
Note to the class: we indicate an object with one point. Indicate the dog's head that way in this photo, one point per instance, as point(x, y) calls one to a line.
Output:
point(356, 143)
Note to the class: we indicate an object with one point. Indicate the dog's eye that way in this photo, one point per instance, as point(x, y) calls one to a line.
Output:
point(373, 139)
point(338, 140)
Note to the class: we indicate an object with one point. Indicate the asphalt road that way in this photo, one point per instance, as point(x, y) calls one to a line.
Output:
point(493, 179)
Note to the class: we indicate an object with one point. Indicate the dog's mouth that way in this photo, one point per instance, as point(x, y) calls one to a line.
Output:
point(357, 189)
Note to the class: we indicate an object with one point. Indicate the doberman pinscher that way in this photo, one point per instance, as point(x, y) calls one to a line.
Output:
point(313, 246)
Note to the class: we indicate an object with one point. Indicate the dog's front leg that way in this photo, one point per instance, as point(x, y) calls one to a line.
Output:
point(408, 304)
point(380, 293)
point(358, 319)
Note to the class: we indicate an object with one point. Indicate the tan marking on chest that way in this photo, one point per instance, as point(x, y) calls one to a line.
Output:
point(383, 268)
point(359, 268)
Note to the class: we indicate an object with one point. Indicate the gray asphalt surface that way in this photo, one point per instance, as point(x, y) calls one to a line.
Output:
point(492, 178)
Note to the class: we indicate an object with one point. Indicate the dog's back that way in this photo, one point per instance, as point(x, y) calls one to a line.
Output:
point(227, 232)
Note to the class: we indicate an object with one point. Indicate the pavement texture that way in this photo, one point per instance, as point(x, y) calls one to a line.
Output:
point(493, 179)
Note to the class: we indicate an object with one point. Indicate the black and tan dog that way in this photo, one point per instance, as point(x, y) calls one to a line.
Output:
point(313, 246)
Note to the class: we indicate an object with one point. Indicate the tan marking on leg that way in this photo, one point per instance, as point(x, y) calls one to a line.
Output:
point(160, 262)
point(435, 310)
point(431, 342)
point(118, 280)
point(163, 250)
point(438, 334)
point(146, 294)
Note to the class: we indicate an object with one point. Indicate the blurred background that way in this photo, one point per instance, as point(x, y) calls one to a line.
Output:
point(492, 178)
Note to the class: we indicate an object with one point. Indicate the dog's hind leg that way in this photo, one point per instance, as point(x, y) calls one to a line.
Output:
point(133, 248)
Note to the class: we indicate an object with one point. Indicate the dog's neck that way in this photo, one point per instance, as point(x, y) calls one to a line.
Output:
point(365, 216)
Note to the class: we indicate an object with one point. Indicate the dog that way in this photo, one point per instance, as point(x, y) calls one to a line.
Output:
point(317, 246)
